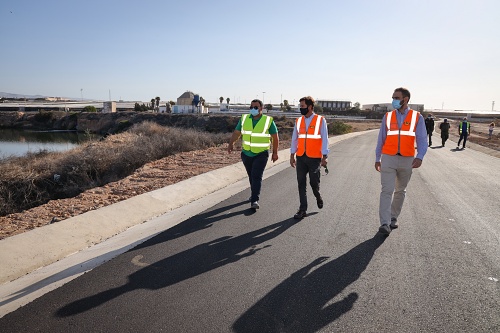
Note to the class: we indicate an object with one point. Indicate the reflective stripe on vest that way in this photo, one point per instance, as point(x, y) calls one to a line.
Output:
point(256, 139)
point(400, 140)
point(309, 141)
point(460, 125)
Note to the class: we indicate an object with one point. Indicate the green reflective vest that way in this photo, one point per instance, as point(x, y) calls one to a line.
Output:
point(256, 139)
point(460, 125)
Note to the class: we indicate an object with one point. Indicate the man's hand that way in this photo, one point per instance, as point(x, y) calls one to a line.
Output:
point(274, 158)
point(416, 163)
point(324, 161)
point(378, 165)
point(292, 160)
point(230, 148)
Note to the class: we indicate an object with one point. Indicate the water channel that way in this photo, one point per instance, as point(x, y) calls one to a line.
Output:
point(15, 142)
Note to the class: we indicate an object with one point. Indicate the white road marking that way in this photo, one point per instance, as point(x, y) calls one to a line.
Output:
point(137, 261)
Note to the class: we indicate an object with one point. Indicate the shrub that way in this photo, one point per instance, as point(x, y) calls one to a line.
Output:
point(338, 127)
point(29, 181)
point(89, 108)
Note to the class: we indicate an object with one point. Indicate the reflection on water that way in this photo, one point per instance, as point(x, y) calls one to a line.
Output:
point(18, 142)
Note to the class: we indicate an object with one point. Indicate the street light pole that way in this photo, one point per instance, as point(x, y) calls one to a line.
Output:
point(263, 97)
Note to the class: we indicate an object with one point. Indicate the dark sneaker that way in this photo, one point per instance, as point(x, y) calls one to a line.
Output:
point(320, 203)
point(384, 229)
point(255, 205)
point(300, 215)
point(394, 223)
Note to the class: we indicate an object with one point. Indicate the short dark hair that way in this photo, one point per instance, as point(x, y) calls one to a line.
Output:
point(257, 101)
point(308, 100)
point(404, 91)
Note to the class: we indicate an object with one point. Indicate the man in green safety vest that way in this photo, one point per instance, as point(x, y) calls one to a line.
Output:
point(256, 131)
point(463, 131)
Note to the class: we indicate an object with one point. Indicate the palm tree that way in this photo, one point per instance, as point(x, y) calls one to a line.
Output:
point(221, 99)
point(153, 101)
point(227, 100)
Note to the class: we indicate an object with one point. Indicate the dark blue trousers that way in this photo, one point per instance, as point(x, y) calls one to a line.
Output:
point(464, 137)
point(255, 169)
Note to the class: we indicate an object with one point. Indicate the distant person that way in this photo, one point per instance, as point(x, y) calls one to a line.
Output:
point(429, 126)
point(256, 131)
point(395, 158)
point(445, 131)
point(490, 130)
point(463, 131)
point(310, 146)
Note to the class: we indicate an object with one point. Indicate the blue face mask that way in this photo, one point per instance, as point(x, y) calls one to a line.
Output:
point(396, 104)
point(254, 112)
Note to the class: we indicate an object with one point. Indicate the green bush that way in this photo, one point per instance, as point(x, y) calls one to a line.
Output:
point(43, 116)
point(338, 127)
point(89, 108)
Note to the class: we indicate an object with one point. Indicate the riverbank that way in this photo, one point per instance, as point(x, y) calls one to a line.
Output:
point(173, 169)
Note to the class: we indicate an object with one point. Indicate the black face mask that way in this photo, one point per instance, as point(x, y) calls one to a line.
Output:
point(304, 111)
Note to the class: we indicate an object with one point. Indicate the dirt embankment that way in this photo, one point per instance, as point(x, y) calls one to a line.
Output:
point(112, 123)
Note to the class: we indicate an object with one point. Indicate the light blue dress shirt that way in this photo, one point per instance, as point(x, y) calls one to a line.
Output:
point(323, 131)
point(420, 135)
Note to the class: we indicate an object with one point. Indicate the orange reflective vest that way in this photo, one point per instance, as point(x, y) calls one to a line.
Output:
point(400, 140)
point(309, 140)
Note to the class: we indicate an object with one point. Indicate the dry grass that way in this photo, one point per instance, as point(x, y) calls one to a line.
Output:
point(34, 179)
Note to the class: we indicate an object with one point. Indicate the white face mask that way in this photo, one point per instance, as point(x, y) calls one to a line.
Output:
point(254, 112)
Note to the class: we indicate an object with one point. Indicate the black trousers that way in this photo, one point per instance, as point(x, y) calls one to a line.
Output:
point(312, 167)
point(255, 169)
point(430, 138)
point(462, 136)
point(444, 137)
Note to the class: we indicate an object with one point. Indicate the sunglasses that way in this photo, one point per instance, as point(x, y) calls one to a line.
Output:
point(254, 107)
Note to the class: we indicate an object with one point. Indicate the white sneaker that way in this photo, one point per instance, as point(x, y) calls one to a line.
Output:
point(255, 205)
point(384, 229)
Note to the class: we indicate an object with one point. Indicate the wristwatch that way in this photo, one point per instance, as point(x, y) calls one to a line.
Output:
point(325, 156)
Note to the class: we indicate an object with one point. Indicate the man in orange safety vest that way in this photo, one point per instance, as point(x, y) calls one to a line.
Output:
point(395, 157)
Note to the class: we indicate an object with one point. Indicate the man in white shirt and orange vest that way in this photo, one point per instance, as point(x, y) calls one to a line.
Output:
point(400, 130)
point(310, 144)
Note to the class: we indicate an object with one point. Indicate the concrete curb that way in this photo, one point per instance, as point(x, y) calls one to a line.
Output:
point(27, 252)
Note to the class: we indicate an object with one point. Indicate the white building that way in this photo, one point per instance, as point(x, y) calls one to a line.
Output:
point(108, 107)
point(185, 104)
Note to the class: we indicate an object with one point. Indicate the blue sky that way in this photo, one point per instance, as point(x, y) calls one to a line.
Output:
point(446, 52)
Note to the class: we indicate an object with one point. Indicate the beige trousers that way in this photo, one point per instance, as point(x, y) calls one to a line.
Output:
point(395, 173)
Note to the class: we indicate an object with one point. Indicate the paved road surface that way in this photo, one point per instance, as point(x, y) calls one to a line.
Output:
point(231, 270)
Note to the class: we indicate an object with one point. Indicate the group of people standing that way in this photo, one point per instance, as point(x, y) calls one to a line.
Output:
point(395, 157)
point(444, 127)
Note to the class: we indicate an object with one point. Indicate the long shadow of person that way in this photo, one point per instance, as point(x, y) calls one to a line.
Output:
point(303, 302)
point(198, 222)
point(184, 265)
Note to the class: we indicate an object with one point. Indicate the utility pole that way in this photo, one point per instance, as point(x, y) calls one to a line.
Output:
point(263, 97)
point(493, 106)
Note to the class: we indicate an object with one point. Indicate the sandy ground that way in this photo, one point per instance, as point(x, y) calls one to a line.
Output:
point(164, 172)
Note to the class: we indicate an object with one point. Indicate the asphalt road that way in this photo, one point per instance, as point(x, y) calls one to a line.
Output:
point(229, 269)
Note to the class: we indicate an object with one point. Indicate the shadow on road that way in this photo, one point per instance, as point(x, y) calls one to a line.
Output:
point(184, 265)
point(199, 222)
point(303, 302)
